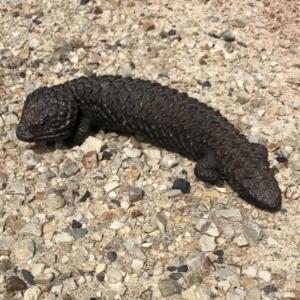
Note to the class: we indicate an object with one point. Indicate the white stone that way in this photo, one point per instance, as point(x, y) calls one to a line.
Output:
point(264, 275)
point(33, 293)
point(63, 237)
point(111, 186)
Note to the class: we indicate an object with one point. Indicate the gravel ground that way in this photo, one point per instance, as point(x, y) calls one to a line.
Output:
point(101, 221)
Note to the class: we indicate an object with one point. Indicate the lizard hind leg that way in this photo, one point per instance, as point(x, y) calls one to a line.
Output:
point(208, 169)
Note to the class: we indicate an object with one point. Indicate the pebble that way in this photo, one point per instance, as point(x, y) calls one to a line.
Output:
point(227, 36)
point(24, 249)
point(100, 277)
point(6, 265)
point(111, 186)
point(174, 193)
point(14, 283)
point(31, 229)
point(169, 288)
point(237, 23)
point(55, 201)
point(43, 278)
point(18, 187)
point(207, 227)
point(225, 273)
point(253, 232)
point(112, 256)
point(168, 161)
point(114, 275)
point(207, 243)
point(182, 185)
point(194, 260)
point(135, 194)
point(253, 294)
point(71, 284)
point(63, 237)
point(28, 277)
point(33, 293)
point(132, 153)
point(137, 265)
point(230, 214)
point(264, 275)
point(148, 25)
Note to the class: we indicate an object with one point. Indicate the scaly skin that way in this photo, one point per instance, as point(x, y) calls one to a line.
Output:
point(163, 116)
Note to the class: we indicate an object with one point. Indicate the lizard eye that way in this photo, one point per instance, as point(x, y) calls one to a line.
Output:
point(42, 123)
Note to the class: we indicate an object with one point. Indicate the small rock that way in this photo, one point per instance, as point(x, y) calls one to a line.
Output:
point(43, 278)
point(107, 155)
point(135, 194)
point(55, 201)
point(76, 224)
point(69, 169)
point(90, 160)
point(158, 270)
point(115, 165)
point(183, 269)
point(225, 273)
point(253, 232)
point(137, 265)
point(32, 293)
point(190, 43)
point(112, 256)
point(78, 233)
point(6, 265)
point(254, 294)
point(114, 275)
point(240, 240)
point(24, 249)
point(18, 187)
point(230, 214)
point(243, 98)
point(169, 288)
point(168, 161)
point(14, 283)
point(227, 36)
point(264, 275)
point(174, 193)
point(207, 227)
point(31, 229)
point(71, 284)
point(132, 153)
point(28, 277)
point(100, 277)
point(85, 196)
point(161, 222)
point(63, 237)
point(195, 259)
point(37, 269)
point(111, 186)
point(176, 261)
point(207, 243)
point(135, 214)
point(148, 25)
point(181, 184)
point(237, 23)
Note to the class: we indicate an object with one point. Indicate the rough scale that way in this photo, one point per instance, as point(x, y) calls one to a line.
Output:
point(163, 116)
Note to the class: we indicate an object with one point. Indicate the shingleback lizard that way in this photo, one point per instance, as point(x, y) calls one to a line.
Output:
point(161, 115)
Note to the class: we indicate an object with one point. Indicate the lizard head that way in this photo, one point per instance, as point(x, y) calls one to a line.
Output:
point(261, 192)
point(48, 114)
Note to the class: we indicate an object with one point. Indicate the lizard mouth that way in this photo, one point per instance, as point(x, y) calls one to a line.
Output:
point(26, 135)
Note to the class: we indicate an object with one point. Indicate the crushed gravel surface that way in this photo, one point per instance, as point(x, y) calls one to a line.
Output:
point(116, 218)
